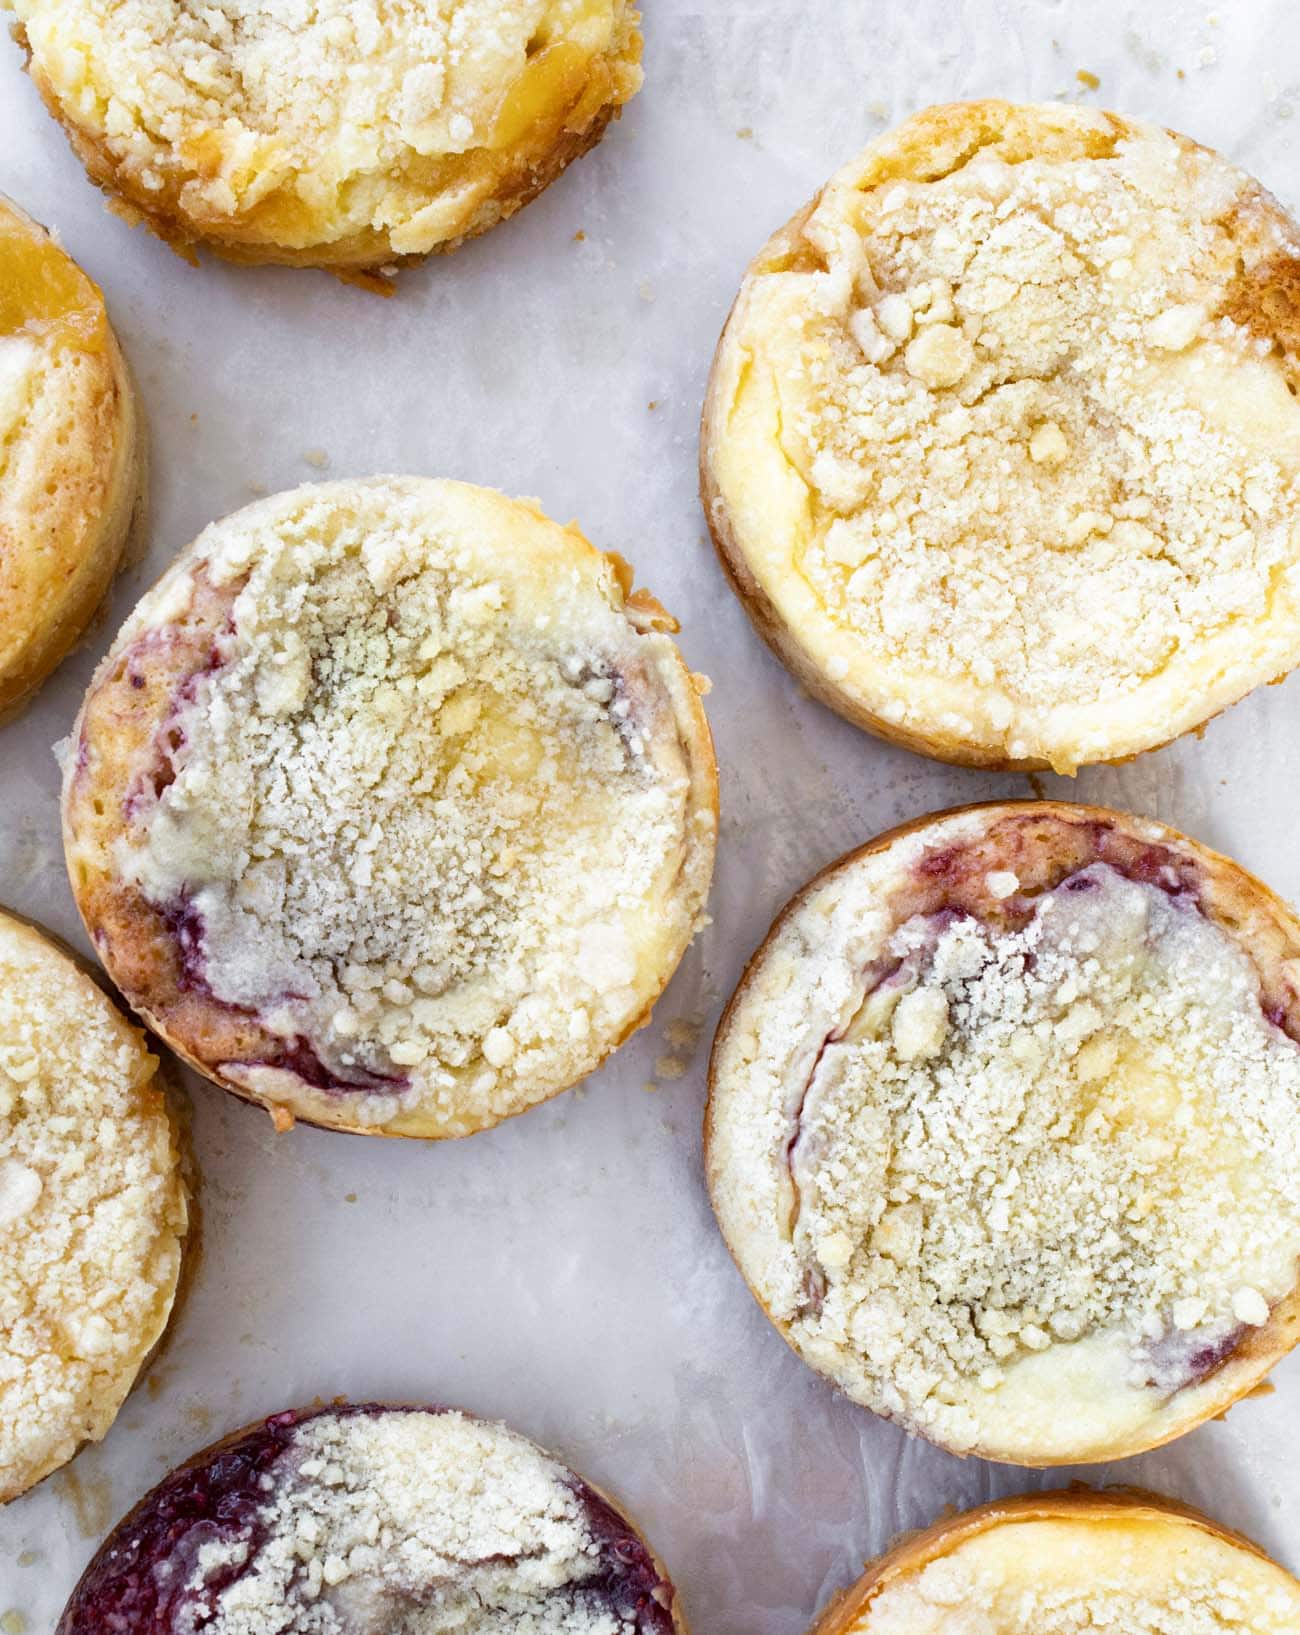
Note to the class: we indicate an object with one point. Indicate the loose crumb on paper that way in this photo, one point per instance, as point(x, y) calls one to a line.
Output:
point(683, 1034)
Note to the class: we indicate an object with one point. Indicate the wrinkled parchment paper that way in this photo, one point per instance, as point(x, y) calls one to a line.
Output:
point(564, 1271)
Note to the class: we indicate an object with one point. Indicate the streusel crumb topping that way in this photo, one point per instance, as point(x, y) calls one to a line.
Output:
point(91, 1208)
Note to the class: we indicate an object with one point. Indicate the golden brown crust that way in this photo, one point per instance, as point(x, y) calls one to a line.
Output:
point(1264, 299)
point(69, 505)
point(1264, 927)
point(915, 1551)
point(366, 258)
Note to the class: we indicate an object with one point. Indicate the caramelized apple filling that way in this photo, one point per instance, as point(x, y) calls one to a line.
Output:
point(44, 294)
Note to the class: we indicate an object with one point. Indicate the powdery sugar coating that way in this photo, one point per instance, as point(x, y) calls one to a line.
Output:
point(981, 1171)
point(92, 1208)
point(1147, 1576)
point(344, 130)
point(363, 1521)
point(1004, 429)
point(427, 811)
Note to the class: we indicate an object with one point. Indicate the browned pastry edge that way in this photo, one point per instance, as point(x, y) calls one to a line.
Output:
point(915, 1551)
point(1252, 915)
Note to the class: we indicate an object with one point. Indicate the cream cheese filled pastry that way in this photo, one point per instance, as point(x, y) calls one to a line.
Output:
point(1004, 1127)
point(1064, 1563)
point(369, 1520)
point(93, 1208)
point(391, 808)
point(1002, 448)
point(69, 454)
point(342, 135)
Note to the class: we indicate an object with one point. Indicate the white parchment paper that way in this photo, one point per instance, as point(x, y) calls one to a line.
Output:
point(564, 1271)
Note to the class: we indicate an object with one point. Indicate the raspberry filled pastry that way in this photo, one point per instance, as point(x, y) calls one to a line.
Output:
point(366, 1520)
point(1004, 1127)
point(70, 465)
point(334, 135)
point(391, 808)
point(93, 1208)
point(1062, 1563)
point(1002, 447)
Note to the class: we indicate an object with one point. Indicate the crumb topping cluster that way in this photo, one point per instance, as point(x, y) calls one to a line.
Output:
point(91, 1208)
point(329, 118)
point(429, 1522)
point(1026, 435)
point(428, 807)
point(1084, 1126)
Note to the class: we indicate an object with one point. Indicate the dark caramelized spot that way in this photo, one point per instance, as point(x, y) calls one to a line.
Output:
point(1265, 301)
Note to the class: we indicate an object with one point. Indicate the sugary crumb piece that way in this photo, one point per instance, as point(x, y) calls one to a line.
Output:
point(920, 1024)
point(1047, 445)
point(940, 356)
point(1249, 1306)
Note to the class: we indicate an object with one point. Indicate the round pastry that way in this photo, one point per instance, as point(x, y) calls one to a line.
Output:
point(1062, 1563)
point(71, 467)
point(92, 1208)
point(363, 1520)
point(335, 136)
point(1002, 448)
point(1004, 1127)
point(390, 808)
